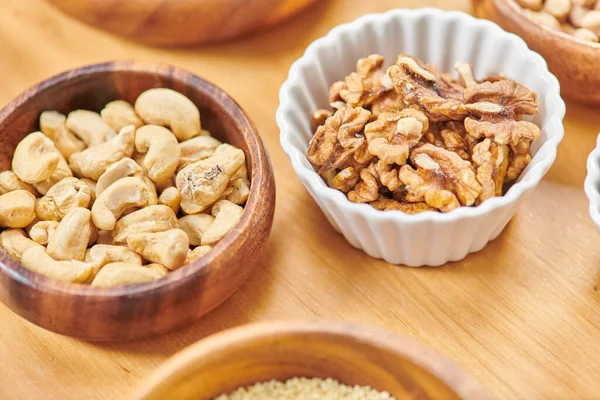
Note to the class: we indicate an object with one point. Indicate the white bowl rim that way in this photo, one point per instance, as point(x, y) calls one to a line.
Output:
point(591, 186)
point(528, 181)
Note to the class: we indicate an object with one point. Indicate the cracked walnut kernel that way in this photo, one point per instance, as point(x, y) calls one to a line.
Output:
point(383, 203)
point(425, 90)
point(340, 129)
point(360, 88)
point(446, 170)
point(346, 179)
point(319, 117)
point(391, 136)
point(417, 139)
point(492, 120)
point(367, 189)
point(491, 162)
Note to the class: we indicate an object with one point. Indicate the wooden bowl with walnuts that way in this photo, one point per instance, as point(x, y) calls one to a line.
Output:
point(564, 32)
point(112, 178)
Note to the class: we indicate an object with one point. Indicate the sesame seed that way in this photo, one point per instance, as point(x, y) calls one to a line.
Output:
point(305, 389)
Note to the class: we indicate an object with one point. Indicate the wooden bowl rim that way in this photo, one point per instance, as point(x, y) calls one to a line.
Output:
point(539, 30)
point(15, 270)
point(462, 383)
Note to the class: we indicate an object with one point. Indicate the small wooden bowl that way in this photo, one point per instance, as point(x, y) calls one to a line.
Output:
point(352, 354)
point(140, 310)
point(573, 61)
point(181, 23)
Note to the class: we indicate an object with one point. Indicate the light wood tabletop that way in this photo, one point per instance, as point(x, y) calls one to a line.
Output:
point(522, 316)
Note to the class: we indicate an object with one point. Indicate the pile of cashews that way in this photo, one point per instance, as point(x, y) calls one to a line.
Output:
point(122, 196)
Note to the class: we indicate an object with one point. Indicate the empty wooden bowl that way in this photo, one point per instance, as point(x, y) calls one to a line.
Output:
point(139, 310)
point(180, 23)
point(573, 61)
point(352, 354)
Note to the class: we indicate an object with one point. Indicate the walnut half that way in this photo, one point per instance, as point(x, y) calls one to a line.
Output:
point(442, 179)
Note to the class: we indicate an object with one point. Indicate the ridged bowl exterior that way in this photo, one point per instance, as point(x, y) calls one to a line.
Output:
point(592, 183)
point(442, 38)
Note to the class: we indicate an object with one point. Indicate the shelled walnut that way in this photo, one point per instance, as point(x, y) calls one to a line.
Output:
point(578, 18)
point(428, 142)
point(101, 198)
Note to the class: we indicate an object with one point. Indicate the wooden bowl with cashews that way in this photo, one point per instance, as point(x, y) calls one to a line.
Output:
point(564, 32)
point(148, 218)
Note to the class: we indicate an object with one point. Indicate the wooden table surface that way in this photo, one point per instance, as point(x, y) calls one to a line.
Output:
point(522, 315)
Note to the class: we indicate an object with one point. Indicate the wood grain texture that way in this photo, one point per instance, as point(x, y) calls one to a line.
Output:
point(574, 62)
point(181, 23)
point(123, 313)
point(350, 353)
point(521, 316)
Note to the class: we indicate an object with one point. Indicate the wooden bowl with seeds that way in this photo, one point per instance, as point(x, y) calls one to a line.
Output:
point(351, 354)
point(144, 309)
point(574, 61)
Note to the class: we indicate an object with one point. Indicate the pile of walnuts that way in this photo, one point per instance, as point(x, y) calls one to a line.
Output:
point(122, 196)
point(579, 18)
point(416, 139)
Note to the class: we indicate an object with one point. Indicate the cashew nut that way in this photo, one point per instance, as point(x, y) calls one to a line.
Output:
point(14, 243)
point(35, 158)
point(585, 34)
point(241, 173)
point(124, 194)
point(62, 171)
point(61, 198)
point(169, 248)
point(150, 219)
point(197, 149)
point(121, 169)
point(52, 124)
point(169, 108)
point(170, 197)
point(161, 186)
point(158, 268)
point(92, 162)
point(31, 224)
point(93, 236)
point(237, 191)
point(72, 236)
point(198, 252)
point(591, 21)
point(227, 215)
point(151, 187)
point(10, 182)
point(119, 113)
point(223, 148)
point(195, 225)
point(89, 127)
point(139, 159)
point(41, 231)
point(120, 273)
point(162, 151)
point(37, 260)
point(203, 182)
point(576, 15)
point(17, 209)
point(91, 184)
point(102, 254)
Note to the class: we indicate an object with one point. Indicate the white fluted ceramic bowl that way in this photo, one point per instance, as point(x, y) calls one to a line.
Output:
point(443, 39)
point(592, 183)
